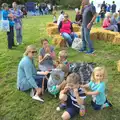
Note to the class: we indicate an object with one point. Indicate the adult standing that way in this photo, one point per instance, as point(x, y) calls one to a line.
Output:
point(113, 7)
point(89, 16)
point(18, 14)
point(6, 15)
point(104, 6)
point(27, 77)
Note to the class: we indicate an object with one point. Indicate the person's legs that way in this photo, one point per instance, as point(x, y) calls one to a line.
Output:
point(87, 39)
point(67, 37)
point(65, 116)
point(12, 35)
point(95, 106)
point(83, 40)
point(9, 38)
point(18, 36)
point(73, 36)
point(118, 27)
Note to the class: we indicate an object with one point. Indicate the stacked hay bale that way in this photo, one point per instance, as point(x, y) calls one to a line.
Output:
point(106, 35)
point(76, 28)
point(94, 34)
point(51, 25)
point(116, 40)
point(52, 31)
point(59, 41)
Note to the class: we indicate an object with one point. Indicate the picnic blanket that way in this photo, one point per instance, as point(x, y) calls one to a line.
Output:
point(84, 70)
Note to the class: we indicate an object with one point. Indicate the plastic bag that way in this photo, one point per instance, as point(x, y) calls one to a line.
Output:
point(4, 25)
point(77, 44)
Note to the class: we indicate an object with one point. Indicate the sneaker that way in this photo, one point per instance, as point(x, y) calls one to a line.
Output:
point(37, 98)
point(63, 106)
point(90, 52)
point(82, 50)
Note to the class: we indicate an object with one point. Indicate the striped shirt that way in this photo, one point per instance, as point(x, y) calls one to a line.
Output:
point(73, 98)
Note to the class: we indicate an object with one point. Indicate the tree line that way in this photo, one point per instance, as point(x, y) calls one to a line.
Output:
point(64, 3)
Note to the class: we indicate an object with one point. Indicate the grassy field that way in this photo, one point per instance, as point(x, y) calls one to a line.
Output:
point(16, 105)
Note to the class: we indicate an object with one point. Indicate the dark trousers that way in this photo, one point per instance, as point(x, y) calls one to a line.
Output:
point(10, 37)
point(118, 27)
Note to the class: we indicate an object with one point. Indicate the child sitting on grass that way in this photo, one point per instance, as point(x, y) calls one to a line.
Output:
point(62, 58)
point(72, 98)
point(56, 81)
point(97, 85)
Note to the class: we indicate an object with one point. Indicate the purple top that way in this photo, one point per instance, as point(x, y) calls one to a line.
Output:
point(18, 14)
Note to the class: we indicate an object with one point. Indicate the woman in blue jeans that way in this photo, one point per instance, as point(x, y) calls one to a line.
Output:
point(66, 30)
point(27, 77)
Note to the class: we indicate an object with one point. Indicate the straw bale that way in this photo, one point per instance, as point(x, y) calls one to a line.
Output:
point(116, 40)
point(59, 41)
point(106, 35)
point(76, 28)
point(51, 24)
point(79, 34)
point(118, 66)
point(52, 30)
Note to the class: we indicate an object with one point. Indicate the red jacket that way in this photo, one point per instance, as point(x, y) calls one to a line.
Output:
point(65, 27)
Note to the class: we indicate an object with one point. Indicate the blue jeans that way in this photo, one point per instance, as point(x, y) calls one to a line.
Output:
point(69, 37)
point(86, 39)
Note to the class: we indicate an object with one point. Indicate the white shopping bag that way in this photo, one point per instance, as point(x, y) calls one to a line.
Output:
point(4, 25)
point(77, 44)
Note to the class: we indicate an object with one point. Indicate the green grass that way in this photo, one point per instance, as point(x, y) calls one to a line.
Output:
point(16, 105)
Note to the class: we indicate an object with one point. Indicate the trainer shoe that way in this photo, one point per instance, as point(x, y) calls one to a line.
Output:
point(37, 98)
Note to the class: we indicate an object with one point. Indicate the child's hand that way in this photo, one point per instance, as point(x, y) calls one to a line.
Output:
point(66, 89)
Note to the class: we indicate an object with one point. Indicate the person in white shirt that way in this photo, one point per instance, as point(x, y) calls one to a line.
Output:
point(60, 18)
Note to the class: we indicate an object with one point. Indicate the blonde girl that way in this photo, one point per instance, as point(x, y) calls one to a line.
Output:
point(97, 87)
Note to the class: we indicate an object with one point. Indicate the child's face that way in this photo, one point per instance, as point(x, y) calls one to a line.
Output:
point(45, 44)
point(99, 76)
point(61, 58)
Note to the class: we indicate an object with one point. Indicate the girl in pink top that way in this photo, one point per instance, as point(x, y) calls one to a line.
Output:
point(66, 30)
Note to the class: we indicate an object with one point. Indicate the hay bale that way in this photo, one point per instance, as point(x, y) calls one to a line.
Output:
point(116, 40)
point(94, 34)
point(59, 41)
point(76, 28)
point(106, 35)
point(51, 25)
point(118, 66)
point(79, 34)
point(52, 30)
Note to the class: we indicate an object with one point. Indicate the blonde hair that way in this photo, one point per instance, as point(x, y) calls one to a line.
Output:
point(28, 49)
point(73, 78)
point(102, 70)
point(4, 5)
point(63, 67)
point(63, 53)
point(108, 14)
point(115, 15)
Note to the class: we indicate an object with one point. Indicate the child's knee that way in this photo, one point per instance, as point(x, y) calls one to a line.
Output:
point(63, 97)
point(65, 116)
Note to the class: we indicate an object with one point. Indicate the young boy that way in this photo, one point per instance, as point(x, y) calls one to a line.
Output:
point(72, 97)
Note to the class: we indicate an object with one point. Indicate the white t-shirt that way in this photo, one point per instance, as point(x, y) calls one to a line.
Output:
point(60, 18)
